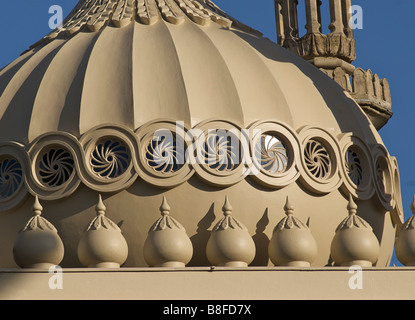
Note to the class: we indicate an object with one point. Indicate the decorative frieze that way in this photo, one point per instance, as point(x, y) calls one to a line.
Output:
point(165, 154)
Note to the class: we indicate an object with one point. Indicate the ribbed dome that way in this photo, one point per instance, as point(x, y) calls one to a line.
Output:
point(80, 111)
point(184, 71)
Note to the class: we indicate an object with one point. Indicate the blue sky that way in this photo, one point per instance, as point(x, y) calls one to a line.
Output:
point(385, 45)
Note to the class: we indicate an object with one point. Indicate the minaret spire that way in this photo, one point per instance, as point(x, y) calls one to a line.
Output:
point(334, 52)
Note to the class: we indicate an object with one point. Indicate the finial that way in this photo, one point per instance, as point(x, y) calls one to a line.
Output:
point(230, 243)
point(352, 207)
point(167, 243)
point(165, 208)
point(102, 244)
point(413, 205)
point(227, 207)
point(404, 247)
point(38, 244)
point(292, 243)
point(37, 207)
point(100, 207)
point(288, 208)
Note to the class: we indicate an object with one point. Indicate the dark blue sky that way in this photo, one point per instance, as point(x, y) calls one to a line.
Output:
point(385, 45)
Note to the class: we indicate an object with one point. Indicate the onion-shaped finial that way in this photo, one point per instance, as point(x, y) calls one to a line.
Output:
point(102, 245)
point(354, 242)
point(405, 244)
point(38, 244)
point(167, 244)
point(292, 243)
point(230, 243)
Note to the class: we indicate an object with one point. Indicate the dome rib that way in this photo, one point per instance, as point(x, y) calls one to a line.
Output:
point(52, 110)
point(259, 92)
point(8, 72)
point(158, 88)
point(16, 102)
point(211, 90)
point(107, 94)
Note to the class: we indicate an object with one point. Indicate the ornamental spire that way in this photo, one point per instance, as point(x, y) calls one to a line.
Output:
point(334, 52)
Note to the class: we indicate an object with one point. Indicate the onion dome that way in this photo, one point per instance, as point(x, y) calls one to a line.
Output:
point(405, 244)
point(167, 244)
point(354, 242)
point(139, 99)
point(102, 245)
point(38, 244)
point(292, 243)
point(230, 244)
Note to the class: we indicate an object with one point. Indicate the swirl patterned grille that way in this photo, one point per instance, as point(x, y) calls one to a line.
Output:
point(110, 159)
point(11, 177)
point(220, 152)
point(272, 154)
point(317, 159)
point(354, 167)
point(164, 155)
point(380, 177)
point(55, 167)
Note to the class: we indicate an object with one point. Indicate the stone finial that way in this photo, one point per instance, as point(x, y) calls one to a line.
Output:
point(354, 242)
point(230, 244)
point(38, 244)
point(292, 243)
point(167, 244)
point(102, 245)
point(405, 244)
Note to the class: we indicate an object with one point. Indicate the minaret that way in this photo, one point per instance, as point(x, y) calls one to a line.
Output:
point(334, 53)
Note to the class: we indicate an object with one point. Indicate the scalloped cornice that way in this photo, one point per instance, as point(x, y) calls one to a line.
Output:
point(93, 15)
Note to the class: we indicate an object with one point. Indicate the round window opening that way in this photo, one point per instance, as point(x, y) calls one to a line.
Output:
point(272, 154)
point(11, 177)
point(55, 167)
point(354, 166)
point(110, 158)
point(164, 154)
point(221, 151)
point(317, 159)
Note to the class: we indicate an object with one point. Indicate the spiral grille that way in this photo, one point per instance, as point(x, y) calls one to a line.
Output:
point(220, 152)
point(163, 154)
point(272, 154)
point(110, 159)
point(11, 177)
point(317, 159)
point(354, 167)
point(55, 167)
